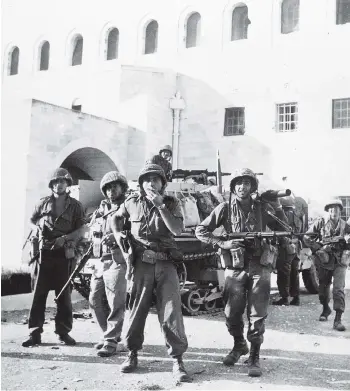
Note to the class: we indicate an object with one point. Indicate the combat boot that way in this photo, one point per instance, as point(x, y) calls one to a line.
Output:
point(253, 362)
point(337, 325)
point(180, 372)
point(325, 313)
point(240, 348)
point(130, 364)
point(281, 301)
point(66, 339)
point(295, 301)
point(34, 339)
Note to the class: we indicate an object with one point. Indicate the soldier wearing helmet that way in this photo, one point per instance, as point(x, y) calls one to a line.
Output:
point(109, 270)
point(58, 219)
point(332, 259)
point(288, 257)
point(155, 219)
point(248, 266)
point(163, 159)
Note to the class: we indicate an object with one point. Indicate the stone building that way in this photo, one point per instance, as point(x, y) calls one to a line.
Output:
point(265, 82)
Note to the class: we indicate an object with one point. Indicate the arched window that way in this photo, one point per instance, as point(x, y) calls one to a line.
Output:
point(77, 50)
point(151, 37)
point(13, 61)
point(289, 16)
point(44, 53)
point(240, 23)
point(112, 44)
point(193, 30)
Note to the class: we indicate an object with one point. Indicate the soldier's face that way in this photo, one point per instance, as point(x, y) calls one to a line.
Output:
point(152, 182)
point(243, 187)
point(166, 155)
point(334, 212)
point(59, 186)
point(113, 190)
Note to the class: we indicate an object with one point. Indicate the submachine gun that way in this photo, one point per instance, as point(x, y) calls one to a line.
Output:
point(200, 176)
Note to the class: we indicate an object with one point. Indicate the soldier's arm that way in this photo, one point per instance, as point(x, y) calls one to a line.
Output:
point(118, 220)
point(79, 224)
point(204, 231)
point(310, 241)
point(172, 216)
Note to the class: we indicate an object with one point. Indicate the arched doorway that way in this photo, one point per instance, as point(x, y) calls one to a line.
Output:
point(87, 167)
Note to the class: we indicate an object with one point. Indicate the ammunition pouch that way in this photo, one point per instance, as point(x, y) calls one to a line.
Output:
point(233, 258)
point(269, 255)
point(151, 257)
point(345, 258)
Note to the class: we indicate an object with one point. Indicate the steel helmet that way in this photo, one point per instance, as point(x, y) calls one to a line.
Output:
point(166, 148)
point(151, 168)
point(61, 173)
point(241, 172)
point(333, 201)
point(113, 176)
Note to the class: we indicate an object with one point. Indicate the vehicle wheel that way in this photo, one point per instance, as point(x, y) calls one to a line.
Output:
point(310, 278)
point(188, 300)
point(210, 305)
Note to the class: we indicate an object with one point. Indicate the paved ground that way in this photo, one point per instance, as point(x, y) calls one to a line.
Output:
point(298, 353)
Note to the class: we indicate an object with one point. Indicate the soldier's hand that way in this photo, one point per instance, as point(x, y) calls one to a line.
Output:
point(154, 197)
point(59, 243)
point(228, 244)
point(327, 248)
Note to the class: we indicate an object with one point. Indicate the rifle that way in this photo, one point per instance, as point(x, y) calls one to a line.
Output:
point(338, 243)
point(76, 271)
point(244, 236)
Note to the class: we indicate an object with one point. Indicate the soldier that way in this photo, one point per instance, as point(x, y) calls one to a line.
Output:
point(155, 219)
point(332, 259)
point(59, 218)
point(249, 266)
point(163, 160)
point(108, 277)
point(288, 258)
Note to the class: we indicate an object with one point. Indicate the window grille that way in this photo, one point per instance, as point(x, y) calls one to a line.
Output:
point(287, 117)
point(234, 121)
point(341, 113)
point(345, 214)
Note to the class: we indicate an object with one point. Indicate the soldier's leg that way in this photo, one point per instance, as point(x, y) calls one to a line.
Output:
point(170, 316)
point(97, 307)
point(41, 289)
point(325, 281)
point(169, 308)
point(283, 277)
point(115, 286)
point(258, 300)
point(294, 290)
point(339, 275)
point(64, 315)
point(235, 302)
point(139, 304)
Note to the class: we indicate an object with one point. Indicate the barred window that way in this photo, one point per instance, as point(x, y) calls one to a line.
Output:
point(343, 11)
point(234, 121)
point(341, 113)
point(193, 30)
point(289, 16)
point(151, 37)
point(287, 117)
point(240, 23)
point(345, 214)
point(44, 56)
point(112, 44)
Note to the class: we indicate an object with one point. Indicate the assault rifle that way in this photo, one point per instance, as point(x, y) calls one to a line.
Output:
point(77, 270)
point(337, 243)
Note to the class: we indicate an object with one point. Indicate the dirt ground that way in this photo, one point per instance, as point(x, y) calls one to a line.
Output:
point(299, 352)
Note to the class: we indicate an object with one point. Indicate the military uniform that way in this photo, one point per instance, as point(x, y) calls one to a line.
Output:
point(53, 269)
point(248, 280)
point(331, 263)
